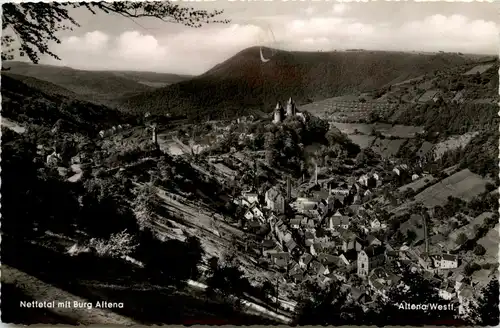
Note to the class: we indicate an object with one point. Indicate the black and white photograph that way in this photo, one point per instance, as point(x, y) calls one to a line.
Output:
point(250, 163)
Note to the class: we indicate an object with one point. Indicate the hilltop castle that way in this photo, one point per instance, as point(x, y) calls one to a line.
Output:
point(280, 114)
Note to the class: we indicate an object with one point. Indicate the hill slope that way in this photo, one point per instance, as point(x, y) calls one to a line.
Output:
point(96, 86)
point(243, 82)
point(41, 85)
point(27, 103)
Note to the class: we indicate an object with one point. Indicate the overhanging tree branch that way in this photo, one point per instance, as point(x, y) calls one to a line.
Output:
point(36, 24)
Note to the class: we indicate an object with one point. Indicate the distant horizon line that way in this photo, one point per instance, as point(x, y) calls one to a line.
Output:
point(497, 56)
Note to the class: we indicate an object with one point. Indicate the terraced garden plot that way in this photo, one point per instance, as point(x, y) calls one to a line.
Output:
point(464, 185)
point(347, 105)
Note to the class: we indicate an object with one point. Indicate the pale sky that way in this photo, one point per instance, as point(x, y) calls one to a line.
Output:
point(114, 42)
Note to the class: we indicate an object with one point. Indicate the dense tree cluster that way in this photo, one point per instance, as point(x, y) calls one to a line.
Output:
point(450, 119)
point(96, 210)
point(331, 306)
point(22, 103)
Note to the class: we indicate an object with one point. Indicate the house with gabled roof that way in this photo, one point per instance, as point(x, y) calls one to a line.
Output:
point(296, 273)
point(317, 268)
point(328, 259)
point(334, 223)
point(316, 248)
point(375, 224)
point(446, 290)
point(400, 169)
point(249, 215)
point(257, 213)
point(309, 238)
point(371, 240)
point(381, 280)
point(249, 198)
point(304, 260)
point(281, 259)
point(292, 246)
point(445, 261)
point(349, 259)
point(295, 223)
point(350, 240)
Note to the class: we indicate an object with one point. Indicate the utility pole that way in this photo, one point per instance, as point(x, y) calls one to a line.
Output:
point(277, 295)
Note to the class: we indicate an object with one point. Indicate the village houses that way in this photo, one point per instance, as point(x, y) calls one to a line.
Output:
point(275, 201)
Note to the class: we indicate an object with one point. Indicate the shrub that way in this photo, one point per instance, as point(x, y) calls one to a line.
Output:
point(119, 244)
point(77, 249)
point(479, 250)
point(470, 268)
point(461, 239)
point(490, 187)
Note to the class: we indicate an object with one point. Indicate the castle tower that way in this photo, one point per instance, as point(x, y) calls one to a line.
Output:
point(290, 108)
point(278, 113)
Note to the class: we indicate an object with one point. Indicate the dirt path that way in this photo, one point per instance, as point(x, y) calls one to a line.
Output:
point(13, 125)
point(252, 306)
point(41, 291)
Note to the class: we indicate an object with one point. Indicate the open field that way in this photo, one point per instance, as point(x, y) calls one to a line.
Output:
point(363, 141)
point(353, 128)
point(491, 242)
point(12, 125)
point(386, 147)
point(464, 184)
point(403, 131)
point(470, 229)
point(479, 69)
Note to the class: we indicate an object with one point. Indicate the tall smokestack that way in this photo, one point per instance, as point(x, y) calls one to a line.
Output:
point(155, 137)
point(288, 188)
point(316, 174)
point(426, 236)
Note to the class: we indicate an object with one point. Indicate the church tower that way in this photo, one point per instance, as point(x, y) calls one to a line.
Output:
point(278, 113)
point(290, 108)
